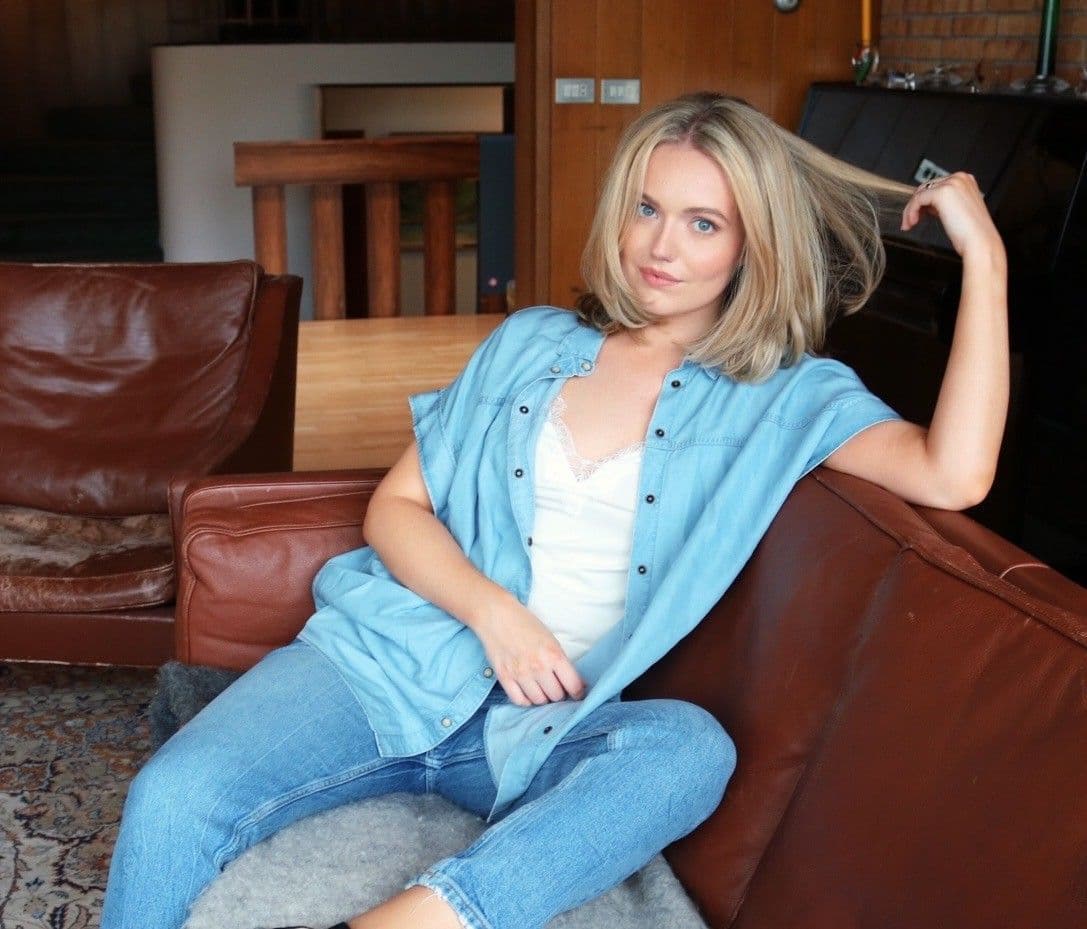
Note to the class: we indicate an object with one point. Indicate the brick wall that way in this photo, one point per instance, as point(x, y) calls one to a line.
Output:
point(1002, 34)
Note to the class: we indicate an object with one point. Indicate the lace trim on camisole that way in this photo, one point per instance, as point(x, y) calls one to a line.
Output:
point(580, 466)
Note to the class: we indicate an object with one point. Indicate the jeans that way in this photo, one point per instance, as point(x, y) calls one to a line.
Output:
point(289, 739)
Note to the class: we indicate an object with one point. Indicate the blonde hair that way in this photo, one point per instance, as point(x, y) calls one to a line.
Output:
point(811, 222)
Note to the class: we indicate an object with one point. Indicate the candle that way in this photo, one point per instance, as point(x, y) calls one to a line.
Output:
point(866, 23)
point(1047, 39)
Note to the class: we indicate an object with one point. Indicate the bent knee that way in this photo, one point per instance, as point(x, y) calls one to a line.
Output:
point(168, 784)
point(705, 755)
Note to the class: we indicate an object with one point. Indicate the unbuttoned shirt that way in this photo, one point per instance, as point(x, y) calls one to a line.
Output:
point(720, 458)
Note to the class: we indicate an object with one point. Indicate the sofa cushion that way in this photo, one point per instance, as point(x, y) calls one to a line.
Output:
point(56, 563)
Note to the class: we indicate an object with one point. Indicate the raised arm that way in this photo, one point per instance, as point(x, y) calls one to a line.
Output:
point(422, 554)
point(952, 463)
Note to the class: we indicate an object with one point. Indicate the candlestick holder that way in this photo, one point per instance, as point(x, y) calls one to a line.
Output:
point(1044, 80)
point(865, 62)
point(1040, 84)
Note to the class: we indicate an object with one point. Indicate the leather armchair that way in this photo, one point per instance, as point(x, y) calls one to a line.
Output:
point(906, 691)
point(113, 379)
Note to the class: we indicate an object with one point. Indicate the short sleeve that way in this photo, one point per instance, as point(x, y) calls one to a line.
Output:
point(436, 458)
point(844, 407)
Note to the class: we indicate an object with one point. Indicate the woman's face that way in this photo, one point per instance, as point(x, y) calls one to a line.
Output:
point(685, 241)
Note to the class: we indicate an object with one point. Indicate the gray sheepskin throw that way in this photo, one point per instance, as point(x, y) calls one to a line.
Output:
point(334, 865)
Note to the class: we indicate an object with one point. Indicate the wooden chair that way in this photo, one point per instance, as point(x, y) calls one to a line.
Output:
point(380, 165)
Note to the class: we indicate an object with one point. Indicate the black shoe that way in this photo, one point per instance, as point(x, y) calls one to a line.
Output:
point(337, 926)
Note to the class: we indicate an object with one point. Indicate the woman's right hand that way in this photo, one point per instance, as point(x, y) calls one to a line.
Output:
point(422, 554)
point(527, 658)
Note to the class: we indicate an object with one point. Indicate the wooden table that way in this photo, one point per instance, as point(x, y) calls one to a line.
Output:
point(355, 376)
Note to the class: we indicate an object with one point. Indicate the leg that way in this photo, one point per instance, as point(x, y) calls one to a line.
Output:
point(286, 740)
point(415, 908)
point(629, 781)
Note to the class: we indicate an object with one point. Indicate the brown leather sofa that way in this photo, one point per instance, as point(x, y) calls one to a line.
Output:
point(908, 693)
point(113, 379)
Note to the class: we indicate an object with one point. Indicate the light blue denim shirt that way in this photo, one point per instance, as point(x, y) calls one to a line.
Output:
point(720, 458)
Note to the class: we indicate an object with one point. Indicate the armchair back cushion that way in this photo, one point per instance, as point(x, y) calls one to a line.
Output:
point(114, 378)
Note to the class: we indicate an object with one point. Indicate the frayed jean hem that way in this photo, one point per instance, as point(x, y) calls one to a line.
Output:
point(467, 912)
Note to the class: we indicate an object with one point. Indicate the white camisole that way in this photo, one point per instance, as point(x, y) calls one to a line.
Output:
point(581, 539)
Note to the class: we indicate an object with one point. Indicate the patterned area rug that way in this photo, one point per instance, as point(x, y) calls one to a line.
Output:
point(70, 741)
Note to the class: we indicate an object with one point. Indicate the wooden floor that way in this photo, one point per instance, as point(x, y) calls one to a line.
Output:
point(355, 376)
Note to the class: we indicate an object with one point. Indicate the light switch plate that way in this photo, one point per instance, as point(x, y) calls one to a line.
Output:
point(575, 90)
point(625, 91)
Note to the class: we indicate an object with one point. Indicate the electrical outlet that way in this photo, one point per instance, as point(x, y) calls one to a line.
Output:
point(575, 90)
point(626, 91)
point(928, 171)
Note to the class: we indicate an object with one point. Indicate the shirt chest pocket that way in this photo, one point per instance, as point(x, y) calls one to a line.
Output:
point(479, 421)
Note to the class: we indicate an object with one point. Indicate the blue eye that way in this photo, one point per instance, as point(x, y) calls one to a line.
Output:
point(644, 209)
point(704, 225)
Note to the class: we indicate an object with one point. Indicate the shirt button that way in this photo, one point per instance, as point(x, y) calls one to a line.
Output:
point(660, 433)
point(488, 672)
point(649, 498)
point(642, 569)
point(586, 366)
point(529, 540)
point(524, 409)
point(447, 722)
point(677, 383)
point(555, 369)
point(519, 473)
point(547, 730)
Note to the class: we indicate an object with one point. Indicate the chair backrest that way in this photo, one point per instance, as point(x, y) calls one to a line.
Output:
point(113, 378)
point(380, 165)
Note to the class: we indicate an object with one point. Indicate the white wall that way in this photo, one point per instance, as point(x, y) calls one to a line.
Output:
point(209, 96)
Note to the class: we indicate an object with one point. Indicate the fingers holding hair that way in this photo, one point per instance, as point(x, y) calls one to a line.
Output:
point(958, 203)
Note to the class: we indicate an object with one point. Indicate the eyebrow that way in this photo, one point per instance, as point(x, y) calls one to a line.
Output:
point(690, 211)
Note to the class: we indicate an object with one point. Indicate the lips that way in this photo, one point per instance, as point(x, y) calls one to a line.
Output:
point(656, 278)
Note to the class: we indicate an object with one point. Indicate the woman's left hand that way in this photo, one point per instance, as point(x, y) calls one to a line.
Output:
point(952, 463)
point(957, 202)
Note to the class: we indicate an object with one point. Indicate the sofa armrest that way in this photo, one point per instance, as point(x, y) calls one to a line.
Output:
point(248, 547)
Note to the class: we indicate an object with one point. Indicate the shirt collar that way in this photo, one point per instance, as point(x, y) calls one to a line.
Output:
point(582, 346)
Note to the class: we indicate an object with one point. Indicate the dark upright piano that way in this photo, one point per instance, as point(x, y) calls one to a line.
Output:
point(1028, 154)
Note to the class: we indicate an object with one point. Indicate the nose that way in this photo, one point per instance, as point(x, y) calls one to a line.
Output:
point(662, 246)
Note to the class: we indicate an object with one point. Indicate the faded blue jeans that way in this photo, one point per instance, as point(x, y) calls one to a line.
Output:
point(289, 739)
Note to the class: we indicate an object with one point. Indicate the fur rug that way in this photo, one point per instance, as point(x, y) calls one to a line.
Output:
point(334, 865)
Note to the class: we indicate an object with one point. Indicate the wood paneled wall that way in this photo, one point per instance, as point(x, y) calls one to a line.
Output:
point(743, 47)
point(70, 53)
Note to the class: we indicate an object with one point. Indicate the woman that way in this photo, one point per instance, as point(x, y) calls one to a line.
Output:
point(571, 507)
